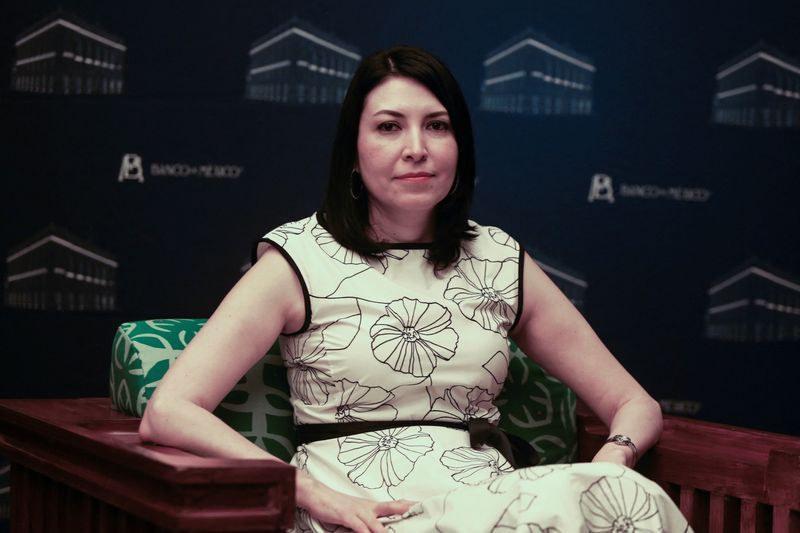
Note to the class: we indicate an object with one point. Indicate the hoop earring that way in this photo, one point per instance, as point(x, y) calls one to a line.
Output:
point(454, 187)
point(355, 178)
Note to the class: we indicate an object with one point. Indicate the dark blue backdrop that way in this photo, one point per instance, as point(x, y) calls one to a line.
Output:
point(181, 242)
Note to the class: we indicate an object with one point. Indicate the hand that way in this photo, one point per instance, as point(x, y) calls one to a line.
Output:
point(359, 514)
point(613, 453)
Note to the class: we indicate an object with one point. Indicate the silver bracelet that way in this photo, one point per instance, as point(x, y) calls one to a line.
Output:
point(624, 440)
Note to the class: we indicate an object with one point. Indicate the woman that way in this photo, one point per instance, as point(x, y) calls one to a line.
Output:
point(394, 313)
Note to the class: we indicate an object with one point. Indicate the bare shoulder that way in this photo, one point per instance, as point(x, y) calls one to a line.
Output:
point(272, 285)
point(541, 297)
point(266, 302)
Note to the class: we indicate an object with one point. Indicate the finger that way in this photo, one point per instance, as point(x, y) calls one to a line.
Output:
point(394, 507)
point(370, 524)
point(410, 503)
point(357, 525)
point(375, 526)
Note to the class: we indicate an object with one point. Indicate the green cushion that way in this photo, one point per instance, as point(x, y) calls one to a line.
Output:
point(258, 407)
point(532, 404)
point(538, 408)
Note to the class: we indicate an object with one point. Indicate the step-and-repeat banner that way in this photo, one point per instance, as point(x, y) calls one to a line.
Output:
point(647, 156)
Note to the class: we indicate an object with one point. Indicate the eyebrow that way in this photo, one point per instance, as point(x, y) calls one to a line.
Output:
point(399, 114)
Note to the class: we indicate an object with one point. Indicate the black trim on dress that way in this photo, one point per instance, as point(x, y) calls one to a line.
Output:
point(407, 245)
point(520, 288)
point(388, 245)
point(300, 278)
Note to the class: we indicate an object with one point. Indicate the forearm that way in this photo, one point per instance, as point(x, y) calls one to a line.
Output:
point(306, 488)
point(640, 419)
point(188, 426)
point(182, 424)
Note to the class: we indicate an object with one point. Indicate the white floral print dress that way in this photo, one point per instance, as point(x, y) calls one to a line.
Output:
point(388, 340)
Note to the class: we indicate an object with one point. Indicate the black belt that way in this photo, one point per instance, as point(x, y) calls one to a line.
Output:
point(517, 451)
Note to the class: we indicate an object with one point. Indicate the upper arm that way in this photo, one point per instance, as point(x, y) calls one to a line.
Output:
point(267, 300)
point(554, 334)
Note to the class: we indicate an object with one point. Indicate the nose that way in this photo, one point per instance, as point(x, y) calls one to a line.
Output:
point(415, 149)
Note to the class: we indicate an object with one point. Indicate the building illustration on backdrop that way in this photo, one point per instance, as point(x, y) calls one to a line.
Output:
point(760, 88)
point(533, 75)
point(56, 271)
point(755, 303)
point(62, 54)
point(571, 282)
point(297, 64)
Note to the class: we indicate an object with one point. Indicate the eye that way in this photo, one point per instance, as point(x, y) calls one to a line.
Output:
point(439, 125)
point(388, 126)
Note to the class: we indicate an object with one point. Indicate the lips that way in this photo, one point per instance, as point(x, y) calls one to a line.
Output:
point(413, 175)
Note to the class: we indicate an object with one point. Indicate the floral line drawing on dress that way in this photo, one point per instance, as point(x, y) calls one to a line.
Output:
point(471, 467)
point(499, 363)
point(444, 515)
point(308, 382)
point(381, 262)
point(619, 504)
point(366, 268)
point(346, 256)
point(301, 458)
point(482, 290)
point(509, 520)
point(335, 250)
point(528, 528)
point(369, 264)
point(303, 354)
point(501, 237)
point(304, 523)
point(383, 458)
point(281, 234)
point(504, 483)
point(395, 253)
point(353, 399)
point(461, 404)
point(525, 528)
point(412, 336)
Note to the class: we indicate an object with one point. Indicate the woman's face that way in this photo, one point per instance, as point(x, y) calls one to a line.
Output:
point(407, 152)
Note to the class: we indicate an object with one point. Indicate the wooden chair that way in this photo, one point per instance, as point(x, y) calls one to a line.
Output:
point(78, 466)
point(724, 478)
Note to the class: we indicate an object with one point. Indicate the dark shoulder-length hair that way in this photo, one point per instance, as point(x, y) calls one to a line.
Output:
point(346, 217)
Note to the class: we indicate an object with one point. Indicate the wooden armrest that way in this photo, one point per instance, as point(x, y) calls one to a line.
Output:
point(77, 465)
point(718, 474)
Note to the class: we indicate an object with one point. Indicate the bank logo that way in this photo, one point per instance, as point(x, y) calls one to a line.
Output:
point(601, 189)
point(131, 168)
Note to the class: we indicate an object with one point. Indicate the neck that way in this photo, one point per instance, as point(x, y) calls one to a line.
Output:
point(400, 227)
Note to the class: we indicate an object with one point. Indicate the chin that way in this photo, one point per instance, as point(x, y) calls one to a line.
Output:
point(426, 204)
